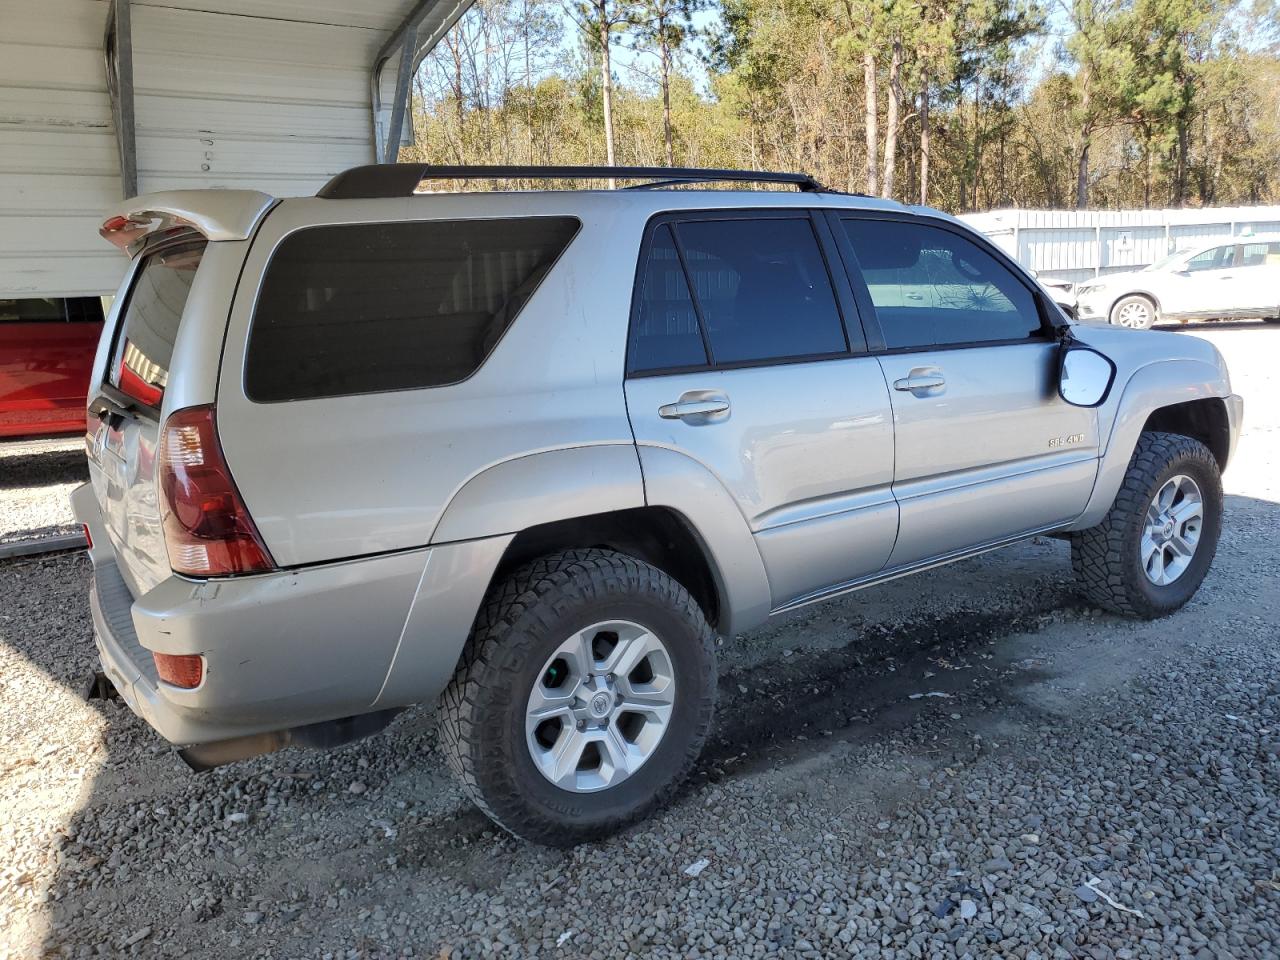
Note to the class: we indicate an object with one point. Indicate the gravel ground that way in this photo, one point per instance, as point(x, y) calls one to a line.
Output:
point(36, 477)
point(967, 763)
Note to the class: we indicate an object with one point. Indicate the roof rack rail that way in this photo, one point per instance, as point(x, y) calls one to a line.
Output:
point(402, 179)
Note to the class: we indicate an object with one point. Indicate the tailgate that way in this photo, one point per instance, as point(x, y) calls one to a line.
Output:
point(128, 389)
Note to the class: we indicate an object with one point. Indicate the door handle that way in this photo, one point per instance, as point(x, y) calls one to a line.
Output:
point(696, 405)
point(922, 382)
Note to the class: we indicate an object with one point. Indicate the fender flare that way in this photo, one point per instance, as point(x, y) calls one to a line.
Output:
point(683, 485)
point(1162, 383)
point(541, 488)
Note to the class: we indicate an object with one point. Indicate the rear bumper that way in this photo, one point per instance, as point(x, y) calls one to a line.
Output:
point(290, 648)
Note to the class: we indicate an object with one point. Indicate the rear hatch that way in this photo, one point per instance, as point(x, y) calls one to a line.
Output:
point(126, 398)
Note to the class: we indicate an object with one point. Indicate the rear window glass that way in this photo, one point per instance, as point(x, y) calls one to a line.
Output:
point(364, 308)
point(144, 346)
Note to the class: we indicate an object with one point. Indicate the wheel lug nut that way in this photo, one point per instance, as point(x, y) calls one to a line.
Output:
point(611, 678)
point(582, 724)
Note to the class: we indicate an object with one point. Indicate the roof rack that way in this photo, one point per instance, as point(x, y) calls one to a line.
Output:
point(403, 179)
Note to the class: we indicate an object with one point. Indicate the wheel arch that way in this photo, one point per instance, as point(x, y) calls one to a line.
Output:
point(1183, 396)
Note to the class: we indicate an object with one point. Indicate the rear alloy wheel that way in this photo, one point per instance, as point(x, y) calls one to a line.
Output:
point(1152, 550)
point(585, 694)
point(1134, 312)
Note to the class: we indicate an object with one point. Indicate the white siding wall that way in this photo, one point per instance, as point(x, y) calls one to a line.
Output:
point(58, 162)
point(1076, 245)
point(268, 94)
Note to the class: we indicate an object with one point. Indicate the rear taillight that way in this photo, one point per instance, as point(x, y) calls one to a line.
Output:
point(181, 670)
point(88, 537)
point(207, 530)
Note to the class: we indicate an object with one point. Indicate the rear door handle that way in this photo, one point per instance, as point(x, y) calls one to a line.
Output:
point(922, 382)
point(698, 406)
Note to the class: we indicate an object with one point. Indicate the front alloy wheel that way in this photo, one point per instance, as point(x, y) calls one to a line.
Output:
point(1136, 313)
point(1175, 518)
point(1152, 550)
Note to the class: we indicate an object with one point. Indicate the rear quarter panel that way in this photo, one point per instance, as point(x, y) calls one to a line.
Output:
point(346, 476)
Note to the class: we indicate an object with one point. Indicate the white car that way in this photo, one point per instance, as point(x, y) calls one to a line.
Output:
point(1236, 279)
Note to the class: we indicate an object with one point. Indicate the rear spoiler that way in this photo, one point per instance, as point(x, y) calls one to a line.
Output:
point(217, 214)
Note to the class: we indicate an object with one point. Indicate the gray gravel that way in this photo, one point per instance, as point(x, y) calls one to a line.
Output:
point(36, 478)
point(1078, 786)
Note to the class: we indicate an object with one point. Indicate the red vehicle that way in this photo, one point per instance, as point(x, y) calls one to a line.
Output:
point(46, 353)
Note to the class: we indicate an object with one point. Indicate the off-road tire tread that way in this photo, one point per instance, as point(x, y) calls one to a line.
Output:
point(1097, 554)
point(548, 582)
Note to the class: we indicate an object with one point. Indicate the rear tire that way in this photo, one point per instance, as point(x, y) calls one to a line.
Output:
point(543, 642)
point(1135, 312)
point(1149, 555)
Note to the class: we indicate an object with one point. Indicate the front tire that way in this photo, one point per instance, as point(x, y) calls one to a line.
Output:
point(1135, 312)
point(584, 696)
point(1151, 552)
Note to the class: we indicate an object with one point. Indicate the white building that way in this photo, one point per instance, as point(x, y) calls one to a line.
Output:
point(1076, 245)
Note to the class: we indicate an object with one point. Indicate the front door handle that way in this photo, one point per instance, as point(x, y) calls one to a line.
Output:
point(696, 406)
point(922, 382)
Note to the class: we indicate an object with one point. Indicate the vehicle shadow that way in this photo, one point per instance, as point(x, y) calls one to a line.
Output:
point(42, 467)
point(127, 852)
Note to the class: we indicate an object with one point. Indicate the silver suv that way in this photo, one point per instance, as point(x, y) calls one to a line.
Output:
point(527, 453)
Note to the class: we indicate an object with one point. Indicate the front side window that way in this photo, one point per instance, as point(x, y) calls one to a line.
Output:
point(369, 307)
point(144, 346)
point(1218, 258)
point(932, 287)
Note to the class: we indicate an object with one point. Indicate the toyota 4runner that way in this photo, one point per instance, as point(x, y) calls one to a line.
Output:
point(527, 453)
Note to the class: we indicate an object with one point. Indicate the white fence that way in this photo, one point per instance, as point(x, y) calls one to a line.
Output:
point(1076, 245)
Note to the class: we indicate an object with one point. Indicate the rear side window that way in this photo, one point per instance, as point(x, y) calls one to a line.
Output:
point(932, 287)
point(664, 331)
point(144, 346)
point(1260, 254)
point(363, 308)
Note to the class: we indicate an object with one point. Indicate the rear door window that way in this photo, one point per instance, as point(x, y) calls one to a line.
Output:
point(365, 308)
point(144, 346)
point(763, 289)
point(932, 287)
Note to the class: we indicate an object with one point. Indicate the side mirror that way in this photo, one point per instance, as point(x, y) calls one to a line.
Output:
point(1084, 375)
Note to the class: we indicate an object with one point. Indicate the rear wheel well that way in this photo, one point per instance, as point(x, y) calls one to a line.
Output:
point(1204, 420)
point(655, 535)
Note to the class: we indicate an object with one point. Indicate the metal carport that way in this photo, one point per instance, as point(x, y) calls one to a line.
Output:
point(102, 99)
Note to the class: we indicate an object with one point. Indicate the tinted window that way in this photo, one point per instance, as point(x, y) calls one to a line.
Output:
point(763, 289)
point(1215, 259)
point(664, 331)
point(144, 347)
point(362, 308)
point(932, 287)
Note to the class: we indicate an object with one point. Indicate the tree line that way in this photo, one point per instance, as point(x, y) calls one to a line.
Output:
point(960, 104)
